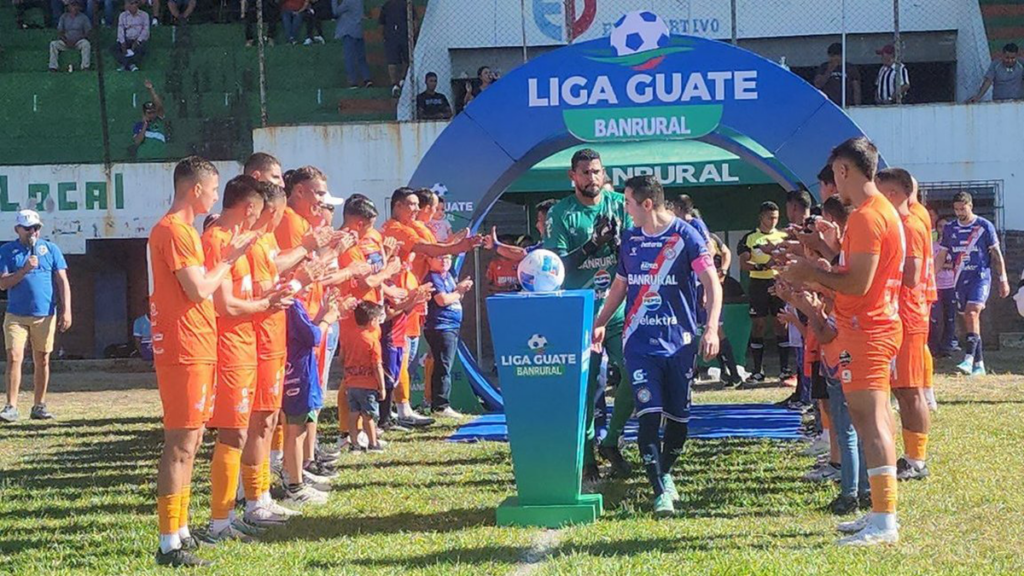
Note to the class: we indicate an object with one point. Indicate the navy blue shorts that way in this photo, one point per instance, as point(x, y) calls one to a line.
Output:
point(974, 291)
point(661, 384)
point(363, 401)
point(392, 366)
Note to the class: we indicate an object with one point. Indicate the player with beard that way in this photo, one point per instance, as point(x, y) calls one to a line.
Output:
point(583, 229)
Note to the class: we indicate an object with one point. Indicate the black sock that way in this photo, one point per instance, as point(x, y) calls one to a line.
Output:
point(973, 345)
point(650, 452)
point(672, 445)
point(783, 357)
point(757, 348)
point(293, 488)
point(979, 351)
point(726, 358)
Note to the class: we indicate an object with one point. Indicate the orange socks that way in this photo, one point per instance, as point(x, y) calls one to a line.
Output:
point(186, 499)
point(224, 480)
point(252, 481)
point(277, 439)
point(883, 489)
point(915, 445)
point(168, 510)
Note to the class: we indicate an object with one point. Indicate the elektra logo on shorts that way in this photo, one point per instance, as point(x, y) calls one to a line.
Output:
point(538, 362)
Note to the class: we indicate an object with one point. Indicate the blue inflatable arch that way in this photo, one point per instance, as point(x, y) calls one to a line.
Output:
point(594, 92)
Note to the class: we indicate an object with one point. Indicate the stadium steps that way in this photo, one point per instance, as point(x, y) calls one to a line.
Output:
point(207, 77)
point(1004, 22)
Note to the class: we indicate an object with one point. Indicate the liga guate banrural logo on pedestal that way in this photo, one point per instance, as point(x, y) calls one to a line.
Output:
point(643, 103)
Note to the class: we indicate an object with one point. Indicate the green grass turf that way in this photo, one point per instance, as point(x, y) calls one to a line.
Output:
point(77, 497)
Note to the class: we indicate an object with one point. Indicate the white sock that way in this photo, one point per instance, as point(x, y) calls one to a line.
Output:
point(276, 457)
point(169, 542)
point(184, 533)
point(265, 499)
point(251, 505)
point(915, 463)
point(220, 525)
point(968, 359)
point(404, 410)
point(883, 520)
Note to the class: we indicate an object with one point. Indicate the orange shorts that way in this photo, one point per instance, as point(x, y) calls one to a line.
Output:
point(929, 367)
point(232, 403)
point(866, 362)
point(269, 384)
point(911, 367)
point(186, 393)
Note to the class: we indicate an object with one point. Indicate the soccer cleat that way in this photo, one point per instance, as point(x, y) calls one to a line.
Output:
point(244, 527)
point(907, 471)
point(303, 495)
point(978, 370)
point(449, 412)
point(966, 367)
point(307, 42)
point(377, 449)
point(757, 377)
point(276, 508)
point(864, 501)
point(620, 468)
point(826, 473)
point(854, 526)
point(263, 517)
point(414, 420)
point(179, 557)
point(327, 452)
point(316, 482)
point(733, 382)
point(9, 414)
point(670, 487)
point(39, 412)
point(663, 505)
point(229, 534)
point(843, 505)
point(871, 535)
point(321, 469)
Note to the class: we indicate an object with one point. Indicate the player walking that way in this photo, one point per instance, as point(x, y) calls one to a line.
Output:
point(974, 246)
point(657, 262)
point(583, 229)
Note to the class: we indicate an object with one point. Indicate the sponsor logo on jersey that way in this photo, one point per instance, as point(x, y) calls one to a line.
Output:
point(659, 321)
point(652, 301)
point(652, 244)
point(845, 358)
point(602, 280)
point(643, 395)
point(598, 263)
point(649, 266)
point(639, 376)
point(649, 279)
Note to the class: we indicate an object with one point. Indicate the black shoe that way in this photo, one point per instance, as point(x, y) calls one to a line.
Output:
point(907, 471)
point(733, 382)
point(190, 544)
point(620, 468)
point(864, 501)
point(39, 412)
point(843, 505)
point(321, 469)
point(591, 473)
point(757, 377)
point(179, 557)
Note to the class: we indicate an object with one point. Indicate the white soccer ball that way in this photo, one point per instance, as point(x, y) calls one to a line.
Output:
point(439, 189)
point(537, 342)
point(639, 31)
point(541, 271)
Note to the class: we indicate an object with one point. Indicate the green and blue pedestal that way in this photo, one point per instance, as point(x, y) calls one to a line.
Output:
point(542, 350)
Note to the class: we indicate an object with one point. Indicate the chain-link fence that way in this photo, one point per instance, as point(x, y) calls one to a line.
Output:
point(883, 52)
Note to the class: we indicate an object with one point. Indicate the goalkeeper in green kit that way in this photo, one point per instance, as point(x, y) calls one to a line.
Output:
point(584, 230)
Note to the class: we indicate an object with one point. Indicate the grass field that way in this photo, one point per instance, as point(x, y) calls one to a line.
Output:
point(77, 497)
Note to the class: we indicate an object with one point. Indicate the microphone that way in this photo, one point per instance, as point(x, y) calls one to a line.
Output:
point(32, 245)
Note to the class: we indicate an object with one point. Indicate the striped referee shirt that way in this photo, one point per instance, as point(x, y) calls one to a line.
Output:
point(886, 84)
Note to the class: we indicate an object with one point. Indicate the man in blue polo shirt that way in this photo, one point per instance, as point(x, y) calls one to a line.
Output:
point(29, 269)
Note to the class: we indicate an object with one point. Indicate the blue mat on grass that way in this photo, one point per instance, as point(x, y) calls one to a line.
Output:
point(707, 421)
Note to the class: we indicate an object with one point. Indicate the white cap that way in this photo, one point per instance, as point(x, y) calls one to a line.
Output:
point(332, 200)
point(29, 218)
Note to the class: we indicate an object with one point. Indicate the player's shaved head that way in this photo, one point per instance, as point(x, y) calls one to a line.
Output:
point(898, 178)
point(191, 170)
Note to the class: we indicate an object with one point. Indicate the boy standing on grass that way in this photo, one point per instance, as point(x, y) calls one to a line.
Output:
point(444, 320)
point(364, 374)
point(303, 396)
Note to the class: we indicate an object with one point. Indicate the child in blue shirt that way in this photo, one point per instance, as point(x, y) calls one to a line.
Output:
point(441, 329)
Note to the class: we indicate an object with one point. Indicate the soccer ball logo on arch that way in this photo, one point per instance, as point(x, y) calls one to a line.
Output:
point(640, 40)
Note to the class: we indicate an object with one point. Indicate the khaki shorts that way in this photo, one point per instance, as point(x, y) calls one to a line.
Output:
point(18, 330)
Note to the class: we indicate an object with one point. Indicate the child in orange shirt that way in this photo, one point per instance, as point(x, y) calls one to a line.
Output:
point(364, 374)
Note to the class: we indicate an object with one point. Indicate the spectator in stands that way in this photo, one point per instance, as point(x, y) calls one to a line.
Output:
point(829, 78)
point(432, 105)
point(142, 330)
point(349, 29)
point(150, 135)
point(132, 36)
point(316, 12)
point(484, 79)
point(885, 85)
point(108, 11)
point(394, 22)
point(179, 16)
point(291, 18)
point(271, 15)
point(1005, 76)
point(73, 30)
point(51, 9)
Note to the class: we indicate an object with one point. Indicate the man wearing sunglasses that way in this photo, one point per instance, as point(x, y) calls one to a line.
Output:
point(30, 268)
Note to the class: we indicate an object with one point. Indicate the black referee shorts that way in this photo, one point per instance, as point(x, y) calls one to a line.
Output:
point(762, 302)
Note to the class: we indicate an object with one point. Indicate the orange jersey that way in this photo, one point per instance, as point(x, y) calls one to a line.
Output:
point(290, 231)
point(915, 311)
point(932, 293)
point(236, 337)
point(369, 249)
point(363, 355)
point(271, 334)
point(421, 265)
point(184, 332)
point(406, 236)
point(503, 274)
point(873, 228)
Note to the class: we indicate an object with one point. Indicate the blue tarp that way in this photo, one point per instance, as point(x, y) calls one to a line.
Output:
point(707, 421)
